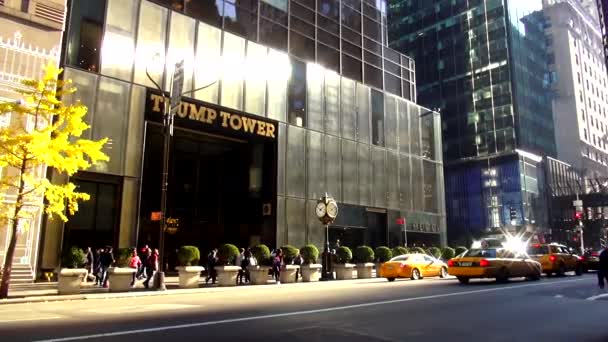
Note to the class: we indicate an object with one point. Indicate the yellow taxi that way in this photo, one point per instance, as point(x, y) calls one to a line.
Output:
point(413, 266)
point(493, 262)
point(556, 259)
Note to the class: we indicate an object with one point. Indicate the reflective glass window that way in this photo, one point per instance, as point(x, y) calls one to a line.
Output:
point(302, 46)
point(379, 180)
point(150, 51)
point(240, 21)
point(118, 47)
point(348, 109)
point(315, 167)
point(233, 59)
point(208, 66)
point(333, 166)
point(85, 34)
point(352, 68)
point(430, 186)
point(332, 103)
point(391, 122)
point(329, 8)
point(273, 35)
point(315, 81)
point(296, 96)
point(181, 48)
point(350, 184)
point(296, 159)
point(405, 186)
point(377, 100)
point(278, 71)
point(255, 78)
point(363, 113)
point(208, 11)
point(365, 174)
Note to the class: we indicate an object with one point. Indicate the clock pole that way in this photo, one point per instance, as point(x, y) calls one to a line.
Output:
point(327, 210)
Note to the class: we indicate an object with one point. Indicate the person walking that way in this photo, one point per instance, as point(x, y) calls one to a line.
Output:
point(97, 266)
point(90, 265)
point(107, 259)
point(277, 263)
point(602, 272)
point(239, 261)
point(211, 262)
point(134, 262)
point(298, 260)
point(151, 265)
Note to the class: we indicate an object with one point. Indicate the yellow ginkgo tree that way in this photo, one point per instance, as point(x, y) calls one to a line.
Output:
point(42, 131)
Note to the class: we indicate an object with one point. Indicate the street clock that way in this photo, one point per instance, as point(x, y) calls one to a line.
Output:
point(326, 209)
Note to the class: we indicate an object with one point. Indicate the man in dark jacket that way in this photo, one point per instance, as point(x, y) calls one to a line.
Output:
point(602, 273)
point(106, 260)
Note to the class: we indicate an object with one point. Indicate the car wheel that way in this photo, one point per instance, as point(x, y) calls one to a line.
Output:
point(579, 270)
point(562, 270)
point(535, 276)
point(463, 280)
point(390, 279)
point(443, 273)
point(415, 274)
point(503, 275)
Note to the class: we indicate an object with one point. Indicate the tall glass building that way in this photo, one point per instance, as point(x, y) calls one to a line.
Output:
point(300, 98)
point(485, 64)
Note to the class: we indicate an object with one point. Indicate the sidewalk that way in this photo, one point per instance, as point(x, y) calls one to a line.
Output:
point(47, 292)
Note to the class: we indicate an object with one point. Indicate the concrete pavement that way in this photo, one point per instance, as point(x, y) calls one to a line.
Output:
point(374, 310)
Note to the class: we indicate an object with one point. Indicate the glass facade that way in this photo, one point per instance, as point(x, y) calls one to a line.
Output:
point(486, 65)
point(342, 129)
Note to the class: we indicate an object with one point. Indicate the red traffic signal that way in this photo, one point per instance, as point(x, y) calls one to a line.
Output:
point(578, 215)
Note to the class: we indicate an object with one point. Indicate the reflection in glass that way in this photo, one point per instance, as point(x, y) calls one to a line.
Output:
point(379, 176)
point(278, 69)
point(315, 80)
point(391, 122)
point(414, 115)
point(86, 83)
point(392, 176)
point(404, 127)
point(377, 117)
point(405, 186)
point(207, 69)
point(181, 48)
point(365, 174)
point(417, 184)
point(348, 110)
point(151, 35)
point(296, 105)
point(296, 221)
point(333, 167)
point(240, 21)
point(118, 43)
point(427, 137)
point(350, 184)
point(430, 187)
point(255, 78)
point(85, 34)
point(363, 113)
point(296, 161)
point(332, 103)
point(233, 60)
point(315, 161)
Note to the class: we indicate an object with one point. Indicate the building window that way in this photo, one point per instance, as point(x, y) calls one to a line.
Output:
point(296, 96)
point(85, 34)
point(25, 5)
point(377, 118)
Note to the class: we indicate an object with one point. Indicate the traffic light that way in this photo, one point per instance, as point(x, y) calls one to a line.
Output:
point(512, 214)
point(578, 215)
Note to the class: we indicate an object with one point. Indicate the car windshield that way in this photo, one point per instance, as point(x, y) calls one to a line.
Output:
point(482, 253)
point(400, 258)
point(538, 249)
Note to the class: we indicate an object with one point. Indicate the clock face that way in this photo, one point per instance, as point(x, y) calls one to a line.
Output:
point(320, 210)
point(332, 209)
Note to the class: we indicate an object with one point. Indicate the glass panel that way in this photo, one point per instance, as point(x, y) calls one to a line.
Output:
point(281, 224)
point(404, 129)
point(430, 187)
point(414, 114)
point(365, 175)
point(150, 43)
point(405, 186)
point(208, 63)
point(282, 146)
point(350, 184)
point(111, 121)
point(378, 137)
point(314, 79)
point(273, 35)
point(233, 59)
point(118, 43)
point(427, 137)
point(296, 221)
point(347, 108)
point(240, 21)
point(181, 47)
point(296, 97)
point(363, 113)
point(85, 34)
point(296, 159)
point(333, 167)
point(379, 176)
point(391, 122)
point(315, 176)
point(392, 175)
point(205, 10)
point(278, 69)
point(417, 184)
point(86, 83)
point(316, 231)
point(255, 78)
point(332, 103)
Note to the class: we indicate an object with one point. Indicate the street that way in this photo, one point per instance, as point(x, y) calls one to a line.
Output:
point(553, 309)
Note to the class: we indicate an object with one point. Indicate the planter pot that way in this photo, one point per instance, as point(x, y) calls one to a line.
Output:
point(258, 274)
point(226, 275)
point(120, 278)
point(344, 271)
point(189, 276)
point(378, 267)
point(311, 272)
point(70, 279)
point(364, 271)
point(288, 273)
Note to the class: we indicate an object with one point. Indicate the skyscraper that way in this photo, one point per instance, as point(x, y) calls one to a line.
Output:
point(486, 65)
point(602, 9)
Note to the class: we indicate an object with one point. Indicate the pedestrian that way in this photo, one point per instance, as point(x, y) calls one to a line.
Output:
point(107, 259)
point(298, 260)
point(211, 262)
point(134, 262)
point(90, 265)
point(239, 261)
point(141, 272)
point(277, 263)
point(151, 265)
point(97, 266)
point(602, 272)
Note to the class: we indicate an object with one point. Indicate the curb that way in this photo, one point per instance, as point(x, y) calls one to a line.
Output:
point(152, 293)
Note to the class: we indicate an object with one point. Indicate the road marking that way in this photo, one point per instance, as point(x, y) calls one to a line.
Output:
point(299, 313)
point(28, 319)
point(603, 295)
point(140, 308)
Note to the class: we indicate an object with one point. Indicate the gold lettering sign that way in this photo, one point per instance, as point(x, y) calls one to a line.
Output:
point(201, 113)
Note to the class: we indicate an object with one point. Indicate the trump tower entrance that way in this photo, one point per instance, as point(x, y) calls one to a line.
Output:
point(222, 175)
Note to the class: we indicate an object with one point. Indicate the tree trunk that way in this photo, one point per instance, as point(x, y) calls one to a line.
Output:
point(8, 261)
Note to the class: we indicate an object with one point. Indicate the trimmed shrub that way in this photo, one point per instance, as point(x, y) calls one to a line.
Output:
point(363, 254)
point(460, 249)
point(123, 256)
point(447, 253)
point(188, 256)
point(227, 254)
point(261, 253)
point(73, 258)
point(344, 255)
point(417, 250)
point(434, 251)
point(383, 254)
point(289, 253)
point(400, 250)
point(310, 254)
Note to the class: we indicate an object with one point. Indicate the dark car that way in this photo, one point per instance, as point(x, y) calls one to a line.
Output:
point(591, 260)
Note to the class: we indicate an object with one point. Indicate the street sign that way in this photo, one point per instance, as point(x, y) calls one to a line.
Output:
point(577, 203)
point(156, 216)
point(177, 85)
point(400, 220)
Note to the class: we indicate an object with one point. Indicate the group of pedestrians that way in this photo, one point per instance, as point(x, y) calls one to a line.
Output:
point(99, 262)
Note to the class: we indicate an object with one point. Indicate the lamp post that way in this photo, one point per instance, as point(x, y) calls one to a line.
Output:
point(170, 105)
point(326, 211)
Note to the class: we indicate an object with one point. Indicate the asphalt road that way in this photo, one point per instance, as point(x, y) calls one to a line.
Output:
point(553, 309)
